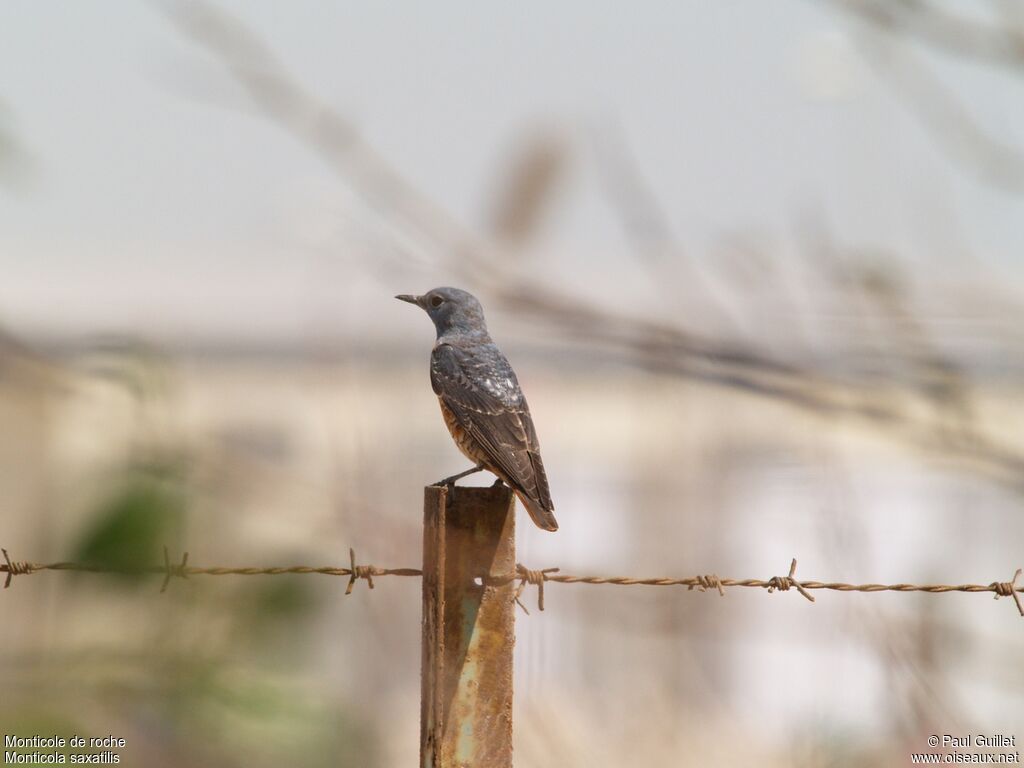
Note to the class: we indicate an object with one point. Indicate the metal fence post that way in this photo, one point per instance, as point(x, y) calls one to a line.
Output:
point(468, 627)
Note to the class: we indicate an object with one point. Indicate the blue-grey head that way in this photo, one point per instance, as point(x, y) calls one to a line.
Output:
point(455, 312)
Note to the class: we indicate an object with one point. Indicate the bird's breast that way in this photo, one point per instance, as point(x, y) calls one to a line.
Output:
point(461, 437)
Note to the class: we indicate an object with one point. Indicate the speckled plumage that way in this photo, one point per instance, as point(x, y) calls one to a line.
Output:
point(482, 404)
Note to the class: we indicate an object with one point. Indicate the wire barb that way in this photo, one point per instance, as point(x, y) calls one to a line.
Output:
point(1008, 589)
point(179, 570)
point(358, 572)
point(537, 578)
point(706, 582)
point(783, 583)
point(14, 568)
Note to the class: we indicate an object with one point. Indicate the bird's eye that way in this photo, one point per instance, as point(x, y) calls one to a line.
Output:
point(436, 301)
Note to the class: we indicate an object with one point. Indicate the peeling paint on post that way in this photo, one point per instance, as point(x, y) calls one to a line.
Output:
point(468, 627)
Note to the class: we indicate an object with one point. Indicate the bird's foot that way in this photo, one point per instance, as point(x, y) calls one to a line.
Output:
point(450, 481)
point(497, 483)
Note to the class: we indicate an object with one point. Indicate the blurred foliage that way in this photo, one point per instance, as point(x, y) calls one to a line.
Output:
point(142, 369)
point(26, 722)
point(257, 720)
point(270, 617)
point(128, 531)
point(825, 744)
point(278, 600)
point(528, 188)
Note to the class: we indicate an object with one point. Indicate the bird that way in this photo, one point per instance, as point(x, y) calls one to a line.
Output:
point(481, 401)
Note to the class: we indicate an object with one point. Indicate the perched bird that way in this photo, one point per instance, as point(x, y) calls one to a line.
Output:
point(481, 401)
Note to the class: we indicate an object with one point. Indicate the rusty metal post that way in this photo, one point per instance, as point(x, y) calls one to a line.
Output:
point(468, 627)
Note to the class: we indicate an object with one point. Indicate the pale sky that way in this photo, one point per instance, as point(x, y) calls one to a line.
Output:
point(159, 204)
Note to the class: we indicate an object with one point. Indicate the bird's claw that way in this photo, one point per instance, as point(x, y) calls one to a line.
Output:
point(449, 482)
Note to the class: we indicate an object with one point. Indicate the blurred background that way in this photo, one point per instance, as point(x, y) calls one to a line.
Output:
point(758, 269)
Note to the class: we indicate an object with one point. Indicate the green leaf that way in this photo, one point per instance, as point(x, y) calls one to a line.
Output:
point(129, 530)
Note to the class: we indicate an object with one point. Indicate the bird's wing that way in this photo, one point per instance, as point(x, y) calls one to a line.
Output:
point(480, 389)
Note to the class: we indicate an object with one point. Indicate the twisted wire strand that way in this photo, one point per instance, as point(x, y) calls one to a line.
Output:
point(526, 577)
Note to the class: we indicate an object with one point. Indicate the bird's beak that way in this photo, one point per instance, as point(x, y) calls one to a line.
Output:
point(417, 300)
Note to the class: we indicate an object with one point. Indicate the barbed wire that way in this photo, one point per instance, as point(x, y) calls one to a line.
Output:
point(525, 576)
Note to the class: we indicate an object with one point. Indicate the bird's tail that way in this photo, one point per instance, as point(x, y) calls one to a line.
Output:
point(540, 514)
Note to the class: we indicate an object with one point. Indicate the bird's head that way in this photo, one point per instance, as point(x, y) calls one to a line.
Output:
point(453, 311)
